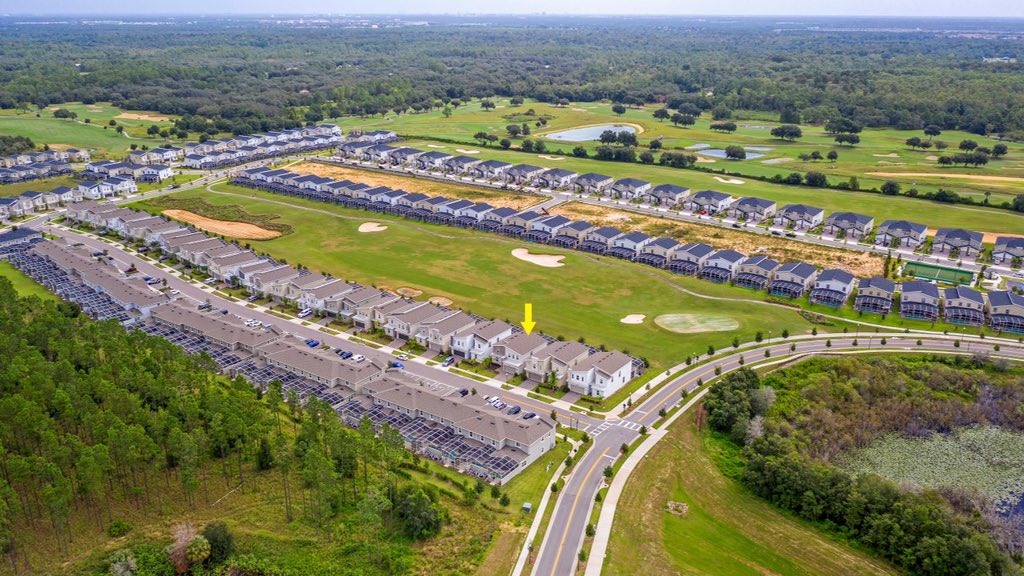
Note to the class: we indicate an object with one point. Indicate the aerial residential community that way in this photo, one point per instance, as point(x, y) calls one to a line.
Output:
point(527, 294)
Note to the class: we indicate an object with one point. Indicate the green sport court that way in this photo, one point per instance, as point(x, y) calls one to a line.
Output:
point(938, 273)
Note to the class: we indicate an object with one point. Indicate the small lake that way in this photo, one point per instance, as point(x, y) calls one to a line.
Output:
point(719, 153)
point(588, 133)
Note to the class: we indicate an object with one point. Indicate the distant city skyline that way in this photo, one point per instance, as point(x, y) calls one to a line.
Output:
point(903, 8)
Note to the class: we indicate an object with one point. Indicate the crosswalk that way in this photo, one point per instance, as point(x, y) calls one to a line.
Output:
point(621, 423)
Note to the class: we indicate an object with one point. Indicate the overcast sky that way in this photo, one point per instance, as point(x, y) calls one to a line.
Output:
point(933, 8)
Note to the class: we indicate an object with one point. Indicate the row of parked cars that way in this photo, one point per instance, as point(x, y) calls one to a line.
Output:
point(497, 403)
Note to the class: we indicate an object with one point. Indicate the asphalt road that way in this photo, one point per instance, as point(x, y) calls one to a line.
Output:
point(557, 554)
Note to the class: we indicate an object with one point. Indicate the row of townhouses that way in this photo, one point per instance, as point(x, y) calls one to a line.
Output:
point(31, 202)
point(143, 173)
point(240, 149)
point(26, 158)
point(34, 171)
point(437, 328)
point(442, 422)
point(839, 225)
point(832, 287)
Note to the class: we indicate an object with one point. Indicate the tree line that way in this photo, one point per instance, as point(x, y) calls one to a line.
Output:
point(94, 418)
point(795, 425)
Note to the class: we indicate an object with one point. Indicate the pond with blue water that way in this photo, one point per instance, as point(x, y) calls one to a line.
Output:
point(588, 133)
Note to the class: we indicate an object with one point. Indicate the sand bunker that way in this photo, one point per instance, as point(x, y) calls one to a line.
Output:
point(240, 230)
point(408, 292)
point(892, 155)
point(578, 109)
point(932, 158)
point(978, 177)
point(440, 301)
point(372, 227)
point(434, 146)
point(703, 160)
point(545, 260)
point(694, 323)
point(546, 157)
point(730, 180)
point(633, 319)
point(776, 160)
point(467, 151)
point(147, 117)
point(59, 146)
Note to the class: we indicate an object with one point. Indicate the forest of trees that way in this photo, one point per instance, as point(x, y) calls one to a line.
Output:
point(249, 76)
point(794, 424)
point(95, 418)
point(15, 145)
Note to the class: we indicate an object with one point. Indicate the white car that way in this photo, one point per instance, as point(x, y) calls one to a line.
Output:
point(305, 313)
point(358, 358)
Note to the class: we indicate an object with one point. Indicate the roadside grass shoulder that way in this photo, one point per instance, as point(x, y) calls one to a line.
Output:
point(726, 531)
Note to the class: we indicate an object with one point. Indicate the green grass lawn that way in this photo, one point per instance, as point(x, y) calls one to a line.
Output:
point(872, 155)
point(587, 297)
point(727, 531)
point(23, 285)
point(102, 140)
point(42, 185)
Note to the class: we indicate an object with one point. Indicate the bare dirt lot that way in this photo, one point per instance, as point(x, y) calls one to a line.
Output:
point(146, 117)
point(781, 249)
point(423, 185)
point(239, 230)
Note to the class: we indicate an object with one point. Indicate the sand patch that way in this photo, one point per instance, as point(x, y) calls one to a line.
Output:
point(408, 292)
point(776, 160)
point(372, 227)
point(467, 151)
point(578, 109)
point(633, 319)
point(891, 155)
point(147, 117)
point(60, 146)
point(496, 198)
point(932, 158)
point(546, 157)
point(545, 260)
point(434, 146)
point(944, 176)
point(703, 160)
point(240, 230)
point(730, 180)
point(694, 323)
point(440, 301)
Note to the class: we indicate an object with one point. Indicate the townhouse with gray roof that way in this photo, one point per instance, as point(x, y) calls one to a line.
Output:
point(963, 306)
point(875, 295)
point(832, 287)
point(592, 183)
point(690, 258)
point(848, 225)
point(1008, 250)
point(601, 375)
point(557, 358)
point(657, 252)
point(919, 300)
point(755, 272)
point(799, 217)
point(901, 234)
point(668, 195)
point(964, 243)
point(751, 209)
point(792, 279)
point(477, 342)
point(512, 353)
point(708, 202)
point(630, 188)
point(1006, 311)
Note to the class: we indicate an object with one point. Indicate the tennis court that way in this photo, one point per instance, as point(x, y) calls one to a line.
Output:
point(938, 273)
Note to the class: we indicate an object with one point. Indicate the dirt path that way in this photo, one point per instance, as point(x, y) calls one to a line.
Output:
point(954, 176)
point(240, 230)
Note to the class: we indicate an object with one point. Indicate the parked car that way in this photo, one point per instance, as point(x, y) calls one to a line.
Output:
point(358, 358)
point(346, 355)
point(398, 365)
point(514, 410)
point(448, 361)
point(304, 313)
point(252, 298)
point(776, 233)
point(402, 356)
point(312, 343)
point(529, 416)
point(463, 392)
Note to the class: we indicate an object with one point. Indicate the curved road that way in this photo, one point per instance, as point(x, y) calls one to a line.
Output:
point(558, 552)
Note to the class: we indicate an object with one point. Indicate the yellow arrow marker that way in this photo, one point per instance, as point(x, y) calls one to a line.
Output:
point(528, 322)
